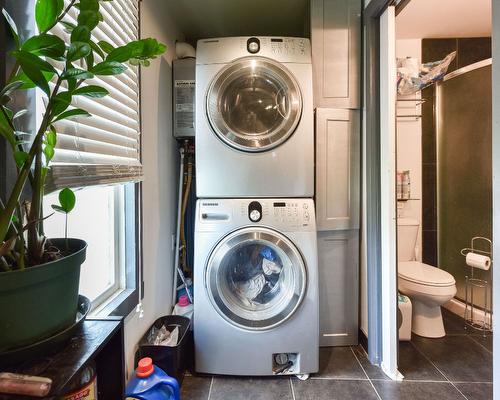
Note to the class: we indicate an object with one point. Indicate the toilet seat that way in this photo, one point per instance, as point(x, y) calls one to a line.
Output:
point(424, 274)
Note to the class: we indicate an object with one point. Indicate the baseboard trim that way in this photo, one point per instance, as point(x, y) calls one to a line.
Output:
point(458, 307)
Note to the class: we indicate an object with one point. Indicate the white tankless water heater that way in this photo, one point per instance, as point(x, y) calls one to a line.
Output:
point(184, 97)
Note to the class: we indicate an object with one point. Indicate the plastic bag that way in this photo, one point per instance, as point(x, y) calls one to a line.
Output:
point(412, 78)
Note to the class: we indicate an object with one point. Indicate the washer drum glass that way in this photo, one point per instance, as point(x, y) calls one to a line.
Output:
point(255, 278)
point(254, 104)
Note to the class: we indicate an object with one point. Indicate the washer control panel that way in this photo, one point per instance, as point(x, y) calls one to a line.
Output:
point(284, 214)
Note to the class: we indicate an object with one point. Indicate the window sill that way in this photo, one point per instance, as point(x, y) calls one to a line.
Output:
point(121, 303)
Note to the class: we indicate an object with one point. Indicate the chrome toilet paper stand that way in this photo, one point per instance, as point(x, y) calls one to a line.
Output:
point(471, 283)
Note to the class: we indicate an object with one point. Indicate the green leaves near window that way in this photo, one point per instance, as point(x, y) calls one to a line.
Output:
point(78, 59)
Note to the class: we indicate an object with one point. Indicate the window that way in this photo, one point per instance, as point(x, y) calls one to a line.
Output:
point(99, 219)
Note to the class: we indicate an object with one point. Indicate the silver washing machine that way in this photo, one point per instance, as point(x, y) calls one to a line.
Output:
point(254, 118)
point(256, 287)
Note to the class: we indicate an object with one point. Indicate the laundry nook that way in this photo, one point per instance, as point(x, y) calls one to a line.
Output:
point(221, 200)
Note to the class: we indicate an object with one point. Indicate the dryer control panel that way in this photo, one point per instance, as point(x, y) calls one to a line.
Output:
point(281, 214)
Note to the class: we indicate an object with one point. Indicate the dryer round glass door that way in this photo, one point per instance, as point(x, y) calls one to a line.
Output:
point(255, 278)
point(254, 104)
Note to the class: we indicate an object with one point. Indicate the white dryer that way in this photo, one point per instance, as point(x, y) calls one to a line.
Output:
point(254, 118)
point(255, 287)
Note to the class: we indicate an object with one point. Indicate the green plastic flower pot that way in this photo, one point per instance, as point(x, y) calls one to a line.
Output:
point(40, 301)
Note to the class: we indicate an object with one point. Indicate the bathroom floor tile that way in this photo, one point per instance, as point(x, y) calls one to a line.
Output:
point(459, 357)
point(251, 389)
point(390, 390)
point(328, 389)
point(339, 362)
point(476, 391)
point(415, 366)
point(371, 370)
point(195, 387)
point(453, 324)
point(486, 342)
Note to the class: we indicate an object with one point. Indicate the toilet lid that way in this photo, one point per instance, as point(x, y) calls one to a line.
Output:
point(414, 271)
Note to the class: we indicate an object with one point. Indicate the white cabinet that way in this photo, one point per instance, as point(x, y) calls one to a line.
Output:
point(336, 50)
point(337, 169)
point(338, 255)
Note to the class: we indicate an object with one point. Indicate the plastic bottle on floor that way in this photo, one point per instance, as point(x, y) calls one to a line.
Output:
point(183, 307)
point(151, 383)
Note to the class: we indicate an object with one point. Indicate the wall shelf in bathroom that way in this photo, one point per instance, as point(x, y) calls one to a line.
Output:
point(410, 199)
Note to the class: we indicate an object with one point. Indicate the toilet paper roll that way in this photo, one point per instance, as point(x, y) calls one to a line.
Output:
point(478, 261)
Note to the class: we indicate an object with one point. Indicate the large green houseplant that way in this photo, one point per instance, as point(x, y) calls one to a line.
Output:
point(39, 276)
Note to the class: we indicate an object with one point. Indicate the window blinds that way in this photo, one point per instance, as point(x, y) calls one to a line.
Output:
point(103, 148)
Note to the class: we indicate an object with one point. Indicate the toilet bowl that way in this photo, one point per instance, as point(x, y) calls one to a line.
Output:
point(427, 286)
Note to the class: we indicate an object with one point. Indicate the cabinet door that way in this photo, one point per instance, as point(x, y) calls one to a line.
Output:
point(338, 255)
point(336, 49)
point(337, 169)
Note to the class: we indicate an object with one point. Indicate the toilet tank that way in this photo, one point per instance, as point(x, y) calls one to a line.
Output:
point(407, 238)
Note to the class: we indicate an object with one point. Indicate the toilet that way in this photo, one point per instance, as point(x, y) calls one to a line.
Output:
point(428, 287)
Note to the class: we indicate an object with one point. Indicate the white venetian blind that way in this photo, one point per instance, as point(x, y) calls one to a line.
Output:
point(104, 148)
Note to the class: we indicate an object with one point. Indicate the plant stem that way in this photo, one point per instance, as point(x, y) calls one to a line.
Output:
point(6, 215)
point(66, 232)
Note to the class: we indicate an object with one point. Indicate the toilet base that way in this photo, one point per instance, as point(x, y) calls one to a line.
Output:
point(427, 321)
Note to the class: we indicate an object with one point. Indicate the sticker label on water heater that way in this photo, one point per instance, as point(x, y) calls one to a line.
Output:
point(184, 102)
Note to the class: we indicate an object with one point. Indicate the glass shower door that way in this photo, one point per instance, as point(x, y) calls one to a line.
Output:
point(464, 192)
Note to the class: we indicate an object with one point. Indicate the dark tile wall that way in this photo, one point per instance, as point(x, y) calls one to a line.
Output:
point(469, 51)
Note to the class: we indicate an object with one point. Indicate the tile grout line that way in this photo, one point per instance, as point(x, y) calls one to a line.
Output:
point(210, 388)
point(479, 343)
point(430, 361)
point(291, 387)
point(369, 380)
point(435, 366)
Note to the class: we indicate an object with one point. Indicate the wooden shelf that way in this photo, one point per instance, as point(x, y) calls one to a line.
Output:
point(100, 340)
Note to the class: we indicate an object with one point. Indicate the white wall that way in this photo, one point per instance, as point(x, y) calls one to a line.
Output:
point(160, 161)
point(409, 142)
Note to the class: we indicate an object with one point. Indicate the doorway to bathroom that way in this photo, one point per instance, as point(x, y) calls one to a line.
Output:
point(443, 188)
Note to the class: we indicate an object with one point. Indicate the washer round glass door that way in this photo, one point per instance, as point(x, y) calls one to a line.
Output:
point(254, 104)
point(255, 278)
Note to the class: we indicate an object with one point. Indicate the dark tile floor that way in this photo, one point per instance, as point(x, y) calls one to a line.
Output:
point(458, 366)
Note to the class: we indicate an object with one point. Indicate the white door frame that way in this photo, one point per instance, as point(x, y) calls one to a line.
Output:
point(378, 221)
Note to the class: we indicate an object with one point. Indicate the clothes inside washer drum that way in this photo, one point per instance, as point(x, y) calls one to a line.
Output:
point(255, 274)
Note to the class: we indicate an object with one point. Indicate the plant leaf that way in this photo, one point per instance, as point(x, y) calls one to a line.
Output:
point(57, 208)
point(67, 200)
point(13, 27)
point(49, 152)
point(78, 50)
point(76, 73)
point(6, 130)
point(45, 45)
point(51, 137)
point(72, 113)
point(105, 46)
point(5, 99)
point(33, 66)
point(91, 91)
point(20, 157)
point(60, 102)
point(8, 89)
point(28, 83)
point(88, 18)
point(108, 68)
point(80, 33)
point(46, 13)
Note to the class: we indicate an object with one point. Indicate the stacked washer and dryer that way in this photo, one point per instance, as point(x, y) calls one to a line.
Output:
point(255, 267)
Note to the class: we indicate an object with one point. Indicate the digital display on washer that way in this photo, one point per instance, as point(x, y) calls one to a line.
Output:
point(279, 204)
point(277, 40)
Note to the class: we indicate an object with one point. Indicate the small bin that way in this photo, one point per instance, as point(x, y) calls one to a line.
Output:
point(173, 360)
point(404, 305)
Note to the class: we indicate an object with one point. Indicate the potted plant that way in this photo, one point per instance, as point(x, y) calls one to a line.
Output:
point(39, 276)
